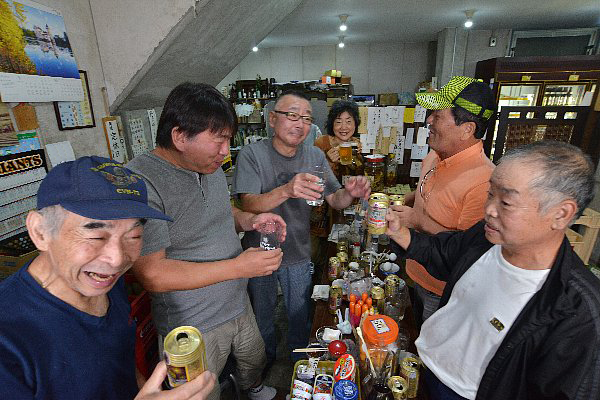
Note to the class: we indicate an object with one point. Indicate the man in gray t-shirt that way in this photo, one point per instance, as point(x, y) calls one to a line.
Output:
point(194, 266)
point(272, 175)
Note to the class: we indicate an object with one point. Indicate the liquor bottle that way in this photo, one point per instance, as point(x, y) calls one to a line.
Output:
point(391, 167)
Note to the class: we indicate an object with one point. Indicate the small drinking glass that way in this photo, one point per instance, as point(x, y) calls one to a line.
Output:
point(317, 171)
point(269, 235)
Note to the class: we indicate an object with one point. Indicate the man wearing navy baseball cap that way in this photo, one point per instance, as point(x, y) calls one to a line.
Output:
point(66, 331)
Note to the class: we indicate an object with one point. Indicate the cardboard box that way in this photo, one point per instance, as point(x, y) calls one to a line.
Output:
point(331, 100)
point(345, 79)
point(328, 79)
point(388, 99)
point(11, 264)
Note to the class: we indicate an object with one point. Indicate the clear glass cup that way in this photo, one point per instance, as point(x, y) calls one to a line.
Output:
point(270, 233)
point(345, 151)
point(317, 171)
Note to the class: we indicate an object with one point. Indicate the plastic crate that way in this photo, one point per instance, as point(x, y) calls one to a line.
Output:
point(583, 242)
point(324, 367)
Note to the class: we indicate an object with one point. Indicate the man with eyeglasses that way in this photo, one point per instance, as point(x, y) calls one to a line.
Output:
point(455, 175)
point(271, 175)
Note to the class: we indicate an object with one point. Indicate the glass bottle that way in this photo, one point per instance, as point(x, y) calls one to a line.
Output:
point(374, 171)
point(391, 168)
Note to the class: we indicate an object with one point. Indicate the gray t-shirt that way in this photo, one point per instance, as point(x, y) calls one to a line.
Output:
point(260, 169)
point(202, 230)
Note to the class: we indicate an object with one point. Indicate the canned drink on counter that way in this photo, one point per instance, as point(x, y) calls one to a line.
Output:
point(410, 371)
point(185, 355)
point(378, 206)
point(342, 245)
point(399, 387)
point(343, 257)
point(334, 268)
point(392, 286)
point(345, 390)
point(378, 296)
point(396, 200)
point(335, 298)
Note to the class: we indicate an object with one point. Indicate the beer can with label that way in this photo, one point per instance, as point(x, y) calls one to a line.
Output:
point(396, 200)
point(399, 387)
point(378, 206)
point(184, 354)
point(378, 296)
point(410, 372)
point(335, 298)
point(334, 268)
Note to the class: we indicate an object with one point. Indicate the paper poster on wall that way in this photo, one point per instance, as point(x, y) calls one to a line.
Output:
point(420, 113)
point(400, 150)
point(409, 136)
point(415, 169)
point(418, 152)
point(36, 62)
point(114, 139)
point(153, 126)
point(422, 135)
point(409, 115)
point(138, 138)
point(60, 152)
point(76, 114)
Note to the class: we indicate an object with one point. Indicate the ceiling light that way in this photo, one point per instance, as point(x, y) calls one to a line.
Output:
point(255, 49)
point(341, 42)
point(343, 25)
point(469, 21)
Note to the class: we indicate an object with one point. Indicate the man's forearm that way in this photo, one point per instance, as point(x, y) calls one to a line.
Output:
point(265, 202)
point(340, 199)
point(242, 219)
point(158, 274)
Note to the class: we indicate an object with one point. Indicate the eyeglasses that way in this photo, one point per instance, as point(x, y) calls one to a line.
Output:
point(426, 195)
point(293, 116)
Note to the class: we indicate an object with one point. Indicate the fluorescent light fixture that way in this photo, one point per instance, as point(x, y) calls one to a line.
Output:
point(343, 19)
point(469, 21)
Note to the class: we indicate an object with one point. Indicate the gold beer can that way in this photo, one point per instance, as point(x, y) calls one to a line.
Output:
point(185, 355)
point(410, 371)
point(335, 298)
point(396, 200)
point(334, 268)
point(378, 296)
point(399, 387)
point(378, 206)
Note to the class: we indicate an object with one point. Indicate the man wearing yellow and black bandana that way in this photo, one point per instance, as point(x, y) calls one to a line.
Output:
point(455, 175)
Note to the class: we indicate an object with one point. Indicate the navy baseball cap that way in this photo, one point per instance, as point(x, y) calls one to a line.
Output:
point(98, 188)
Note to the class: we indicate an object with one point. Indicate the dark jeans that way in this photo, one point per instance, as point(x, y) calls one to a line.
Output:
point(437, 390)
point(296, 285)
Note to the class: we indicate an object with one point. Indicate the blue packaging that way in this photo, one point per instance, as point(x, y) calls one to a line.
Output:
point(345, 390)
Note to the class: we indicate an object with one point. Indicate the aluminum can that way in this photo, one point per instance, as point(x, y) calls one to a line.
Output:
point(335, 298)
point(392, 286)
point(185, 355)
point(345, 390)
point(410, 371)
point(399, 387)
point(378, 296)
point(378, 206)
point(342, 245)
point(334, 268)
point(396, 200)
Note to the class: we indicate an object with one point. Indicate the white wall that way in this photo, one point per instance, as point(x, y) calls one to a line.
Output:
point(128, 32)
point(78, 22)
point(374, 67)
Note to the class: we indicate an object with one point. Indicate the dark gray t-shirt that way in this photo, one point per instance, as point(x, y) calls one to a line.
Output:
point(202, 230)
point(260, 169)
